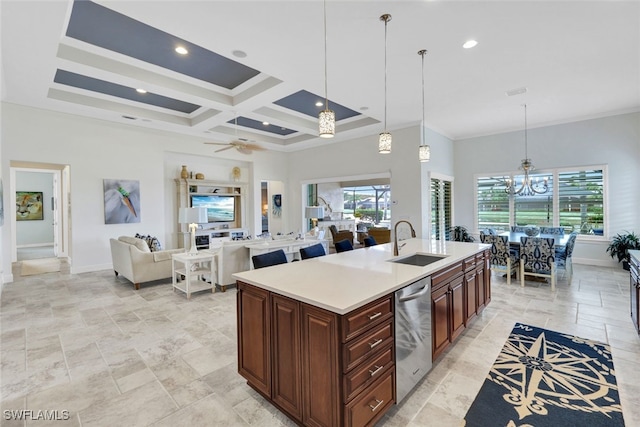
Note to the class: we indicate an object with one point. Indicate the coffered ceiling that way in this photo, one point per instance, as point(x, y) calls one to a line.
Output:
point(255, 69)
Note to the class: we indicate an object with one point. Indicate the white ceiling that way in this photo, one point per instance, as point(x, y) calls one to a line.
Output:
point(577, 59)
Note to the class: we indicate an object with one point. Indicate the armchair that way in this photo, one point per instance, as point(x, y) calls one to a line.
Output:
point(338, 235)
point(381, 235)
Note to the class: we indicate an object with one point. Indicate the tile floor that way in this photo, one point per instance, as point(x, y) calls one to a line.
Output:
point(91, 345)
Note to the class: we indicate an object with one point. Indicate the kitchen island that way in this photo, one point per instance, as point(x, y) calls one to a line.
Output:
point(316, 337)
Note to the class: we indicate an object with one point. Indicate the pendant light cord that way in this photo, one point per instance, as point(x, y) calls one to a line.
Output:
point(326, 96)
point(422, 53)
point(526, 152)
point(385, 73)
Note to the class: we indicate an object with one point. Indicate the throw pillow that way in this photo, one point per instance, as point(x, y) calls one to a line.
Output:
point(152, 242)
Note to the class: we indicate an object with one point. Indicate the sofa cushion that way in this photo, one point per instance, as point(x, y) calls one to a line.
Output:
point(152, 242)
point(138, 243)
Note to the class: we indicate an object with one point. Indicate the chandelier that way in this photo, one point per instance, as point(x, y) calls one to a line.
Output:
point(384, 140)
point(528, 187)
point(424, 151)
point(327, 118)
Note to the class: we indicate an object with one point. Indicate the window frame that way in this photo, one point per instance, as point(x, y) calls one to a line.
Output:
point(554, 173)
point(441, 177)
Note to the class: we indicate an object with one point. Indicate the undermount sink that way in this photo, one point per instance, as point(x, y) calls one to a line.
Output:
point(419, 260)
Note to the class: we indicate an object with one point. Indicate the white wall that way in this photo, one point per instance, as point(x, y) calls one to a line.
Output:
point(97, 150)
point(36, 232)
point(359, 157)
point(613, 141)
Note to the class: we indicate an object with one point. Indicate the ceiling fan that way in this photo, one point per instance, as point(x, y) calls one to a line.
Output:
point(243, 145)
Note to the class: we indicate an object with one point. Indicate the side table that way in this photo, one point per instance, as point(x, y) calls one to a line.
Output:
point(193, 268)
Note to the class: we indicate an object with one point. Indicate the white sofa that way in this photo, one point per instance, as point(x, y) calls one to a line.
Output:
point(133, 259)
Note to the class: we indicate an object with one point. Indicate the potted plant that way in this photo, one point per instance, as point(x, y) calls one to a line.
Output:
point(620, 246)
point(461, 234)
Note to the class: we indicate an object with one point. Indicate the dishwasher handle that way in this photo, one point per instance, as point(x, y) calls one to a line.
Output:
point(416, 295)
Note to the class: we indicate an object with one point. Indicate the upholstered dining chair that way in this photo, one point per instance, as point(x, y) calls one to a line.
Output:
point(552, 230)
point(269, 259)
point(563, 256)
point(502, 259)
point(312, 251)
point(537, 258)
point(338, 235)
point(519, 228)
point(343, 246)
point(369, 241)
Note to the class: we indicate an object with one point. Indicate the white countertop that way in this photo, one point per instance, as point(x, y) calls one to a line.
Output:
point(343, 282)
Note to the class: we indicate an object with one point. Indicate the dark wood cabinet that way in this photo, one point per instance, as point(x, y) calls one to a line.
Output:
point(318, 367)
point(459, 293)
point(634, 288)
point(254, 341)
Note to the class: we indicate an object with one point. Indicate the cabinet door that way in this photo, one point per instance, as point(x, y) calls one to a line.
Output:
point(440, 320)
point(320, 370)
point(635, 293)
point(254, 335)
point(471, 295)
point(456, 289)
point(487, 278)
point(480, 287)
point(287, 376)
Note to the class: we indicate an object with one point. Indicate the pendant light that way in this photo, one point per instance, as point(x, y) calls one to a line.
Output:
point(327, 118)
point(424, 151)
point(384, 141)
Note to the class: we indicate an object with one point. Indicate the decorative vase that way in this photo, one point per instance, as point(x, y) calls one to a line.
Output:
point(184, 173)
point(199, 176)
point(531, 231)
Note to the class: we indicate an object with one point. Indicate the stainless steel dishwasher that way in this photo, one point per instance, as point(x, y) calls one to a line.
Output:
point(413, 335)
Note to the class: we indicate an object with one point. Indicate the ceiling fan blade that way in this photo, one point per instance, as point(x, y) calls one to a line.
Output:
point(216, 143)
point(255, 147)
point(225, 148)
point(243, 149)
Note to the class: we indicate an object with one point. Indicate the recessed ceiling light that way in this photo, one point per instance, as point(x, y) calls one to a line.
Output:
point(469, 44)
point(265, 123)
point(129, 117)
point(140, 90)
point(182, 50)
point(319, 104)
point(239, 53)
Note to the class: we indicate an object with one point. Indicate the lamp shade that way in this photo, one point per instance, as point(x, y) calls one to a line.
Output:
point(192, 215)
point(314, 212)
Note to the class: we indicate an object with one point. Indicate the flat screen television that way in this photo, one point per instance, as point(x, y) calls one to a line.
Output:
point(219, 208)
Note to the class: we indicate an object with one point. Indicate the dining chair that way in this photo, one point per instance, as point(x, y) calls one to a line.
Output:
point(537, 258)
point(502, 259)
point(343, 246)
point(369, 241)
point(312, 251)
point(552, 230)
point(563, 255)
point(519, 228)
point(269, 259)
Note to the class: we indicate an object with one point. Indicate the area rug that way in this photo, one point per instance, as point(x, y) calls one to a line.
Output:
point(31, 267)
point(543, 378)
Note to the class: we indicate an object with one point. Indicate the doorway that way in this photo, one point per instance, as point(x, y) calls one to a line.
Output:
point(40, 232)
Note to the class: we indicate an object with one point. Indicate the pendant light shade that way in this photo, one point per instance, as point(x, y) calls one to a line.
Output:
point(384, 140)
point(424, 151)
point(384, 143)
point(327, 118)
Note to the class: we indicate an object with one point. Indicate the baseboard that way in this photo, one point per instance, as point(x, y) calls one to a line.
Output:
point(91, 268)
point(595, 262)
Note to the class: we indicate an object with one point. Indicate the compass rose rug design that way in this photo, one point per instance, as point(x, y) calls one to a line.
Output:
point(545, 378)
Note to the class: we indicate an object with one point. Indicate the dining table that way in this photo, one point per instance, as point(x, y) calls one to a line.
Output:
point(514, 238)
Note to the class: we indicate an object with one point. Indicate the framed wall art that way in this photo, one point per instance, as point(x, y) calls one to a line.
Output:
point(29, 206)
point(121, 201)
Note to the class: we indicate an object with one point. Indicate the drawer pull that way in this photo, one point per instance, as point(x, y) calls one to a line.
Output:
point(378, 369)
point(374, 316)
point(375, 343)
point(377, 405)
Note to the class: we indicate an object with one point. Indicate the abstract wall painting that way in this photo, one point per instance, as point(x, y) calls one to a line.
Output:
point(121, 201)
point(29, 206)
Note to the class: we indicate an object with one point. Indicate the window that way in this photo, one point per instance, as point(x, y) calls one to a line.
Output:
point(370, 204)
point(440, 208)
point(575, 201)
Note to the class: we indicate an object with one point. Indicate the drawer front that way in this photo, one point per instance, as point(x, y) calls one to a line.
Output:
point(363, 318)
point(469, 263)
point(445, 275)
point(367, 373)
point(369, 344)
point(371, 405)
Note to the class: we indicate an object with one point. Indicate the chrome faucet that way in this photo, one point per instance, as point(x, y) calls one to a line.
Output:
point(396, 251)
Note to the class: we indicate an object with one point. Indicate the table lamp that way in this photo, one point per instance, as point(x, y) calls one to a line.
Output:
point(313, 213)
point(193, 217)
